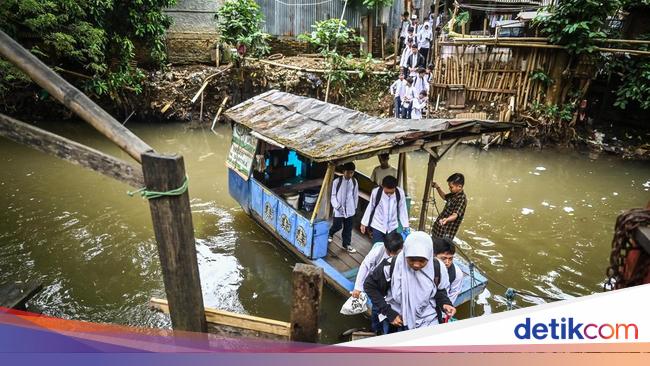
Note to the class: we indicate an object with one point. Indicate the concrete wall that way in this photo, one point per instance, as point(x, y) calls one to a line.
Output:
point(193, 35)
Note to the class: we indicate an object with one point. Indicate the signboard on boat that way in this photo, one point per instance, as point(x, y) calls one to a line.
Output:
point(242, 151)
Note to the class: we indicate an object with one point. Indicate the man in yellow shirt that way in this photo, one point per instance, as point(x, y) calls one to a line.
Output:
point(384, 169)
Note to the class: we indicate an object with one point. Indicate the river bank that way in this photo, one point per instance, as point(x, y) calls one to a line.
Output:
point(195, 93)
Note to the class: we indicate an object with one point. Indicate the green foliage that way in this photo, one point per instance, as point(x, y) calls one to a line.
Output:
point(371, 4)
point(240, 23)
point(98, 38)
point(553, 112)
point(328, 33)
point(576, 23)
point(634, 74)
point(542, 77)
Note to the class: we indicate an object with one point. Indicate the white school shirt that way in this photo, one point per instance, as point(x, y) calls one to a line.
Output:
point(385, 219)
point(420, 83)
point(398, 88)
point(424, 38)
point(418, 106)
point(346, 200)
point(409, 95)
point(370, 262)
point(406, 53)
point(454, 288)
point(405, 28)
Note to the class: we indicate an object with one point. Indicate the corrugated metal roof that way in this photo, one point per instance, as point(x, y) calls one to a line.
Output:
point(328, 132)
point(294, 17)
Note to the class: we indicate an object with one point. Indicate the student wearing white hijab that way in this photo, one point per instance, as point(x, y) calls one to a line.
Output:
point(413, 292)
point(410, 290)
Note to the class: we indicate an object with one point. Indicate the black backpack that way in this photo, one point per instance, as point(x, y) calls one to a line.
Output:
point(380, 192)
point(338, 185)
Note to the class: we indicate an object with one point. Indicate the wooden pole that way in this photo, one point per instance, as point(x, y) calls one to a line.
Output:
point(436, 11)
point(383, 56)
point(172, 224)
point(431, 168)
point(405, 176)
point(71, 97)
point(306, 299)
point(74, 152)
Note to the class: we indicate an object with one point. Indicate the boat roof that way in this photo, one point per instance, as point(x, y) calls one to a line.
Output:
point(327, 132)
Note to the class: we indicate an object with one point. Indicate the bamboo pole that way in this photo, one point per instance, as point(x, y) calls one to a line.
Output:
point(329, 174)
point(72, 98)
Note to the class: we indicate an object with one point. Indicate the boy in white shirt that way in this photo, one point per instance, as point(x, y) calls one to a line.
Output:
point(345, 199)
point(392, 245)
point(386, 211)
point(407, 98)
point(420, 82)
point(397, 91)
point(445, 249)
point(419, 104)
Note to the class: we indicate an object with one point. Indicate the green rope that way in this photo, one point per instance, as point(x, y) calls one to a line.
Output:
point(153, 194)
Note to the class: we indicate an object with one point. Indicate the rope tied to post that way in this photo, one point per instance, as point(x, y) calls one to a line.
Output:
point(144, 193)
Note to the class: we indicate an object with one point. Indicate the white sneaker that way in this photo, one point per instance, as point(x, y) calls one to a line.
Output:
point(351, 250)
point(329, 239)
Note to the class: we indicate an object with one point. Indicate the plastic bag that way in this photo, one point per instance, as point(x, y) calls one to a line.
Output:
point(355, 306)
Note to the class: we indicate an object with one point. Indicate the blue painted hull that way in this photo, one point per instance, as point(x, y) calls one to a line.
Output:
point(308, 241)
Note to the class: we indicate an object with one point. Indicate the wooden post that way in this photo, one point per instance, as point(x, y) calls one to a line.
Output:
point(436, 11)
point(431, 168)
point(396, 47)
point(71, 97)
point(306, 298)
point(172, 224)
point(400, 173)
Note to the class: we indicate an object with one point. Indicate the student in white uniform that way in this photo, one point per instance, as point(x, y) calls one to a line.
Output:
point(391, 246)
point(404, 29)
point(397, 90)
point(407, 99)
point(345, 199)
point(386, 210)
point(424, 40)
point(421, 82)
point(419, 104)
point(445, 249)
point(406, 53)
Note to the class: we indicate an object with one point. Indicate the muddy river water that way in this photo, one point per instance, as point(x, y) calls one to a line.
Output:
point(536, 221)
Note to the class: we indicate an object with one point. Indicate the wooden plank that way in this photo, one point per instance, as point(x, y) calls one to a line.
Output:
point(172, 224)
point(239, 324)
point(306, 300)
point(15, 295)
point(431, 167)
point(72, 98)
point(76, 153)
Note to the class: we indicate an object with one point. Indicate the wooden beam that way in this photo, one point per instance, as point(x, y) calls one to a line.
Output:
point(76, 153)
point(172, 224)
point(431, 168)
point(15, 295)
point(71, 97)
point(306, 299)
point(221, 321)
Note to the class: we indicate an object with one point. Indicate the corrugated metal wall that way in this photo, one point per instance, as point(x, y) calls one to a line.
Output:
point(291, 20)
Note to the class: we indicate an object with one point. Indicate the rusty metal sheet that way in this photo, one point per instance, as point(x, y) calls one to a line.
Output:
point(327, 132)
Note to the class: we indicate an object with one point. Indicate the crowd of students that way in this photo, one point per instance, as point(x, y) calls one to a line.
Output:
point(412, 282)
point(411, 90)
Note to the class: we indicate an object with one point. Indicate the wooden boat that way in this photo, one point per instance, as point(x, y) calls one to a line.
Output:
point(284, 156)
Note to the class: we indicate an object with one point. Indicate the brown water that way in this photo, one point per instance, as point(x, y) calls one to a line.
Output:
point(537, 221)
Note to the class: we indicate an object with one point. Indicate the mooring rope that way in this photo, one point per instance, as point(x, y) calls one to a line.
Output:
point(144, 193)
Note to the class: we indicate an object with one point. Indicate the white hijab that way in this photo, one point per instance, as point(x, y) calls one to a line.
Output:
point(412, 291)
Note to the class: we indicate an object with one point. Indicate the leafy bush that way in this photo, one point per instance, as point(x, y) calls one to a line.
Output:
point(576, 23)
point(240, 24)
point(328, 33)
point(97, 38)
